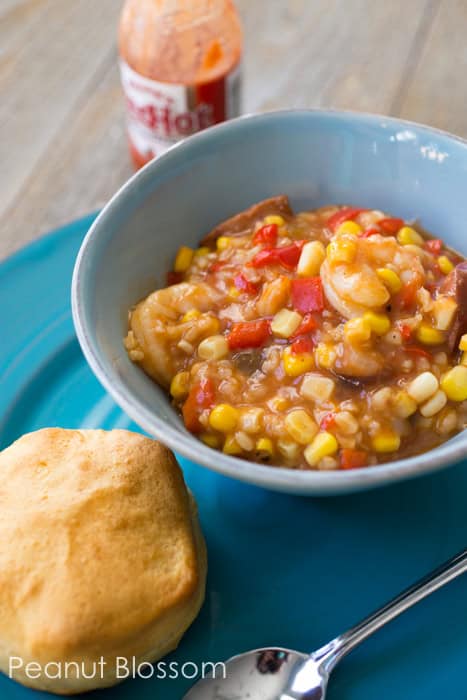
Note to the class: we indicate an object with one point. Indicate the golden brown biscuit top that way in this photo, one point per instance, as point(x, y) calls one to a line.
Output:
point(96, 541)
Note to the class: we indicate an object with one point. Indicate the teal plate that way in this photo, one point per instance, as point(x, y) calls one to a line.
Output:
point(283, 570)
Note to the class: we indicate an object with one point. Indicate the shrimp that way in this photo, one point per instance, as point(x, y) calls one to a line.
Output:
point(155, 327)
point(353, 288)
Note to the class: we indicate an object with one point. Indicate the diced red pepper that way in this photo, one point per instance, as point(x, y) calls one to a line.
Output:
point(263, 258)
point(174, 277)
point(266, 235)
point(345, 214)
point(369, 232)
point(406, 331)
point(434, 246)
point(244, 285)
point(406, 297)
point(391, 225)
point(202, 395)
point(307, 294)
point(249, 334)
point(327, 421)
point(415, 350)
point(301, 345)
point(288, 256)
point(307, 325)
point(353, 459)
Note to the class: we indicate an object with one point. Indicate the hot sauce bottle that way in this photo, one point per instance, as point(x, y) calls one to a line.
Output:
point(180, 70)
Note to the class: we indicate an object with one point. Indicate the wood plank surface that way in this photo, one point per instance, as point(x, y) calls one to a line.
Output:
point(62, 145)
point(437, 91)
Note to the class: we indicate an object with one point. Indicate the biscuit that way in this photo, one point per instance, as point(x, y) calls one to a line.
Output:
point(101, 555)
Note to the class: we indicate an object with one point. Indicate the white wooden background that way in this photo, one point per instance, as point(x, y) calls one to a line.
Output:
point(62, 144)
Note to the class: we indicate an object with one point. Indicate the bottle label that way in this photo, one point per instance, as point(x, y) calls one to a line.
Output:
point(160, 114)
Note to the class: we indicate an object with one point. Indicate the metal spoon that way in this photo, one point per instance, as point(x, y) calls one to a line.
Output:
point(284, 674)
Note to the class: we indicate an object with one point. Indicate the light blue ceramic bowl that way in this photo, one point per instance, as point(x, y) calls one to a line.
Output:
point(316, 158)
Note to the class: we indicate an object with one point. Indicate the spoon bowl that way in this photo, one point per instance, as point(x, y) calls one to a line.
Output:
point(261, 674)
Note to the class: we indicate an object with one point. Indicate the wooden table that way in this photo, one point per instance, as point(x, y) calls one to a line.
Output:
point(62, 146)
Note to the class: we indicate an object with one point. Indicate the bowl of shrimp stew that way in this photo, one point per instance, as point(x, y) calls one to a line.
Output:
point(283, 299)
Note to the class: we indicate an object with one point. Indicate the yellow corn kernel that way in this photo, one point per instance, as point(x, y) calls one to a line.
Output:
point(311, 258)
point(191, 315)
point(357, 330)
point(464, 359)
point(180, 384)
point(278, 403)
point(434, 405)
point(404, 405)
point(443, 310)
point(264, 448)
point(379, 323)
point(323, 445)
point(224, 418)
point(454, 383)
point(317, 388)
point(210, 440)
point(245, 441)
point(341, 250)
point(251, 420)
point(325, 355)
point(296, 364)
point(204, 250)
point(350, 227)
point(215, 347)
point(428, 335)
point(409, 236)
point(215, 325)
point(446, 421)
point(390, 279)
point(274, 219)
point(233, 292)
point(285, 323)
point(328, 463)
point(386, 441)
point(231, 446)
point(288, 449)
point(300, 426)
point(380, 399)
point(445, 265)
point(183, 259)
point(222, 242)
point(346, 423)
point(463, 342)
point(423, 386)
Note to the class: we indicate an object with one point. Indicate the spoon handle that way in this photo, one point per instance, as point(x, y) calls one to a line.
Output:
point(333, 652)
